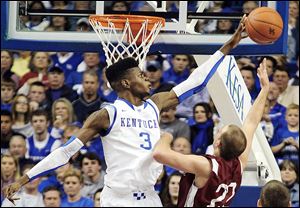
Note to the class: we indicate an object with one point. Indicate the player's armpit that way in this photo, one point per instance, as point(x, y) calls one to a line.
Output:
point(94, 124)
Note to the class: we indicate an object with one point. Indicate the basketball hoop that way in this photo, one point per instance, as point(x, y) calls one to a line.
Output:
point(134, 35)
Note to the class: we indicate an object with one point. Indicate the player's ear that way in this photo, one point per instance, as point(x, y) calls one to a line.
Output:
point(125, 83)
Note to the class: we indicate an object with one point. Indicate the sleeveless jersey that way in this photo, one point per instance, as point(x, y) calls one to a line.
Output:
point(225, 180)
point(128, 145)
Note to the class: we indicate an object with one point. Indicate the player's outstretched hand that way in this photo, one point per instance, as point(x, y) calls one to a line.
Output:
point(240, 33)
point(10, 190)
point(263, 75)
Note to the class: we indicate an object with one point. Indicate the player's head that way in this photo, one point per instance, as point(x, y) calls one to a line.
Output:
point(125, 75)
point(274, 194)
point(230, 142)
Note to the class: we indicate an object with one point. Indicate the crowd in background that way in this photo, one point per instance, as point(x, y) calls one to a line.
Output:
point(47, 96)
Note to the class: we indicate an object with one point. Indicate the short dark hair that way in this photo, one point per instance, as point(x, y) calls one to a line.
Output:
point(8, 82)
point(40, 112)
point(282, 69)
point(90, 156)
point(118, 70)
point(50, 188)
point(270, 58)
point(233, 142)
point(37, 83)
point(207, 108)
point(18, 134)
point(274, 194)
point(6, 113)
point(249, 68)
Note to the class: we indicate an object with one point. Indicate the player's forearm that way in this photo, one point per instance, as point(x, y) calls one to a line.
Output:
point(227, 47)
point(55, 159)
point(199, 78)
point(256, 111)
point(162, 148)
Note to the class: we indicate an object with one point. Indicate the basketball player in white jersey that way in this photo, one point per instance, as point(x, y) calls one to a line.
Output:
point(130, 130)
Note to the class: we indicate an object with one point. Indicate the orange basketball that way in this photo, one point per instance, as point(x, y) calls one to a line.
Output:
point(264, 25)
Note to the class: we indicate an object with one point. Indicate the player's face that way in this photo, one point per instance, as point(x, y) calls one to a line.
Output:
point(217, 139)
point(140, 85)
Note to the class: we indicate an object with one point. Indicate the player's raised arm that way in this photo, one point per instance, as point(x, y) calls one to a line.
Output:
point(96, 122)
point(195, 164)
point(254, 115)
point(201, 75)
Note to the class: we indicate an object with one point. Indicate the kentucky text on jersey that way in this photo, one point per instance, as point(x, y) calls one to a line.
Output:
point(138, 123)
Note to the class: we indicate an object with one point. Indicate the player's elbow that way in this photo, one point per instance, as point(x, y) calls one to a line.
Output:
point(159, 156)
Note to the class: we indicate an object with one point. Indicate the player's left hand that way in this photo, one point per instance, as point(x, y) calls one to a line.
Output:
point(240, 33)
point(263, 75)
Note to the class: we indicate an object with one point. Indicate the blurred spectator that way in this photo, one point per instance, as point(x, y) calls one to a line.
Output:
point(202, 128)
point(60, 4)
point(244, 61)
point(10, 171)
point(249, 6)
point(41, 143)
point(21, 116)
point(154, 73)
point(73, 181)
point(274, 194)
point(83, 25)
point(295, 80)
point(276, 110)
point(39, 63)
point(105, 91)
point(89, 101)
point(18, 149)
point(6, 64)
point(93, 175)
point(67, 61)
point(37, 23)
point(288, 94)
point(21, 63)
point(37, 97)
point(119, 6)
point(182, 145)
point(8, 90)
point(248, 74)
point(58, 23)
point(51, 196)
point(185, 108)
point(224, 27)
point(161, 181)
point(56, 179)
point(285, 144)
point(91, 61)
point(169, 195)
point(62, 115)
point(57, 87)
point(289, 176)
point(292, 24)
point(80, 5)
point(6, 130)
point(266, 123)
point(179, 70)
point(29, 196)
point(96, 197)
point(169, 123)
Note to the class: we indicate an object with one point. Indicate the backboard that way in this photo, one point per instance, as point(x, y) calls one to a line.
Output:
point(178, 36)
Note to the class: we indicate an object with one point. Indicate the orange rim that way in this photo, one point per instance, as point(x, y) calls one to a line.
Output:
point(119, 20)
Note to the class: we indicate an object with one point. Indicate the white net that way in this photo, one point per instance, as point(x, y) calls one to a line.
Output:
point(119, 43)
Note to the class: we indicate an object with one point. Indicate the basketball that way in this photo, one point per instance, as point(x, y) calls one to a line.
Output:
point(264, 25)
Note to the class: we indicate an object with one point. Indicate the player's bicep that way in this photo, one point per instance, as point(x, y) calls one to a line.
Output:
point(95, 123)
point(165, 100)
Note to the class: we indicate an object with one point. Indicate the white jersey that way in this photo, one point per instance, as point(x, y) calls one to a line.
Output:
point(128, 145)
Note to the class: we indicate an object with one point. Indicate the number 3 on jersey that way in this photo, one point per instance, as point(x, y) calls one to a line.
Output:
point(147, 144)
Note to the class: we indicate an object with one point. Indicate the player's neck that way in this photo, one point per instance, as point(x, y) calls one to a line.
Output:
point(131, 98)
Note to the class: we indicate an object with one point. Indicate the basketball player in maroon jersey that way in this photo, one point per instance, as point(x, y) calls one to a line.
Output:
point(213, 180)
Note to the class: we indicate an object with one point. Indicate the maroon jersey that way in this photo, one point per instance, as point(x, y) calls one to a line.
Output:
point(224, 181)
